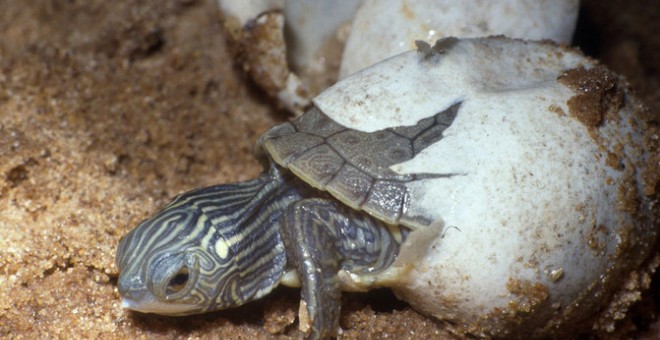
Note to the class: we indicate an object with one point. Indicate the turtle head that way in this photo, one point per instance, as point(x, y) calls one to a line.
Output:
point(195, 255)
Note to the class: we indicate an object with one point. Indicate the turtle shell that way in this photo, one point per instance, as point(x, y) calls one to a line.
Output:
point(355, 166)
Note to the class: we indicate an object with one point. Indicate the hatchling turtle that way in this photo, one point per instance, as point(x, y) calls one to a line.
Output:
point(328, 207)
point(470, 177)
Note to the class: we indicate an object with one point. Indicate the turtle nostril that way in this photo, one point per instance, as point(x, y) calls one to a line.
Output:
point(127, 287)
point(129, 297)
point(123, 291)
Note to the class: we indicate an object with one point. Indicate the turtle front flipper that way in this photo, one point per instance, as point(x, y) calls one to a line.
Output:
point(324, 239)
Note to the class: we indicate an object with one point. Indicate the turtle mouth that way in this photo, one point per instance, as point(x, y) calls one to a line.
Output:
point(153, 306)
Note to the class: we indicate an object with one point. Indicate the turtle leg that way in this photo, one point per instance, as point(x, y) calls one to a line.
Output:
point(321, 238)
point(311, 250)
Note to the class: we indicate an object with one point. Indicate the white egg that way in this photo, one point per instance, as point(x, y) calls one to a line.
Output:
point(541, 214)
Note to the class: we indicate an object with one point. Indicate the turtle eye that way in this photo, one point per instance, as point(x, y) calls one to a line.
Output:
point(178, 281)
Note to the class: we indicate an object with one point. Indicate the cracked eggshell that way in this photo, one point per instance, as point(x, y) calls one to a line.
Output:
point(256, 30)
point(290, 48)
point(383, 28)
point(548, 204)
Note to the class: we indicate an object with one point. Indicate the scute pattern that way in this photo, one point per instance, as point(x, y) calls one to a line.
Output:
point(354, 166)
point(317, 166)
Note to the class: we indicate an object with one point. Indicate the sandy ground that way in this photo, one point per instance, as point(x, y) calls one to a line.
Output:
point(109, 109)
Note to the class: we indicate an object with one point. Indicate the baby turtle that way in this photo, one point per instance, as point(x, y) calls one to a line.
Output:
point(464, 176)
point(328, 208)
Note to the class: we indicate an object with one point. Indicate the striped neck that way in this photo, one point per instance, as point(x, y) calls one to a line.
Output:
point(245, 216)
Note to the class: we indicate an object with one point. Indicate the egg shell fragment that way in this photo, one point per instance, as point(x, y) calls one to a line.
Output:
point(541, 215)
